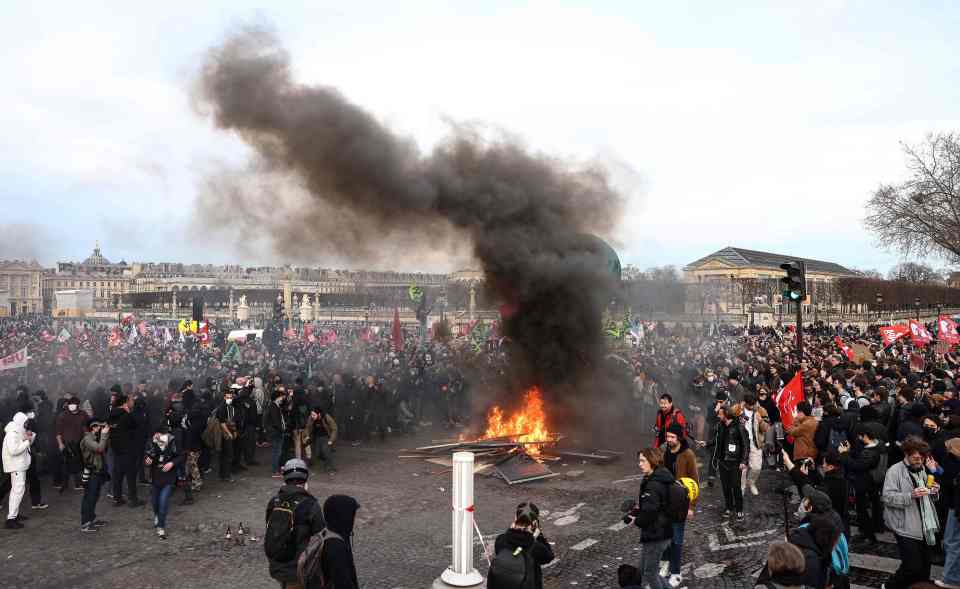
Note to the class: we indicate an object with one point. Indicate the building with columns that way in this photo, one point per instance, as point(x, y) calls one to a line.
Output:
point(739, 281)
point(23, 285)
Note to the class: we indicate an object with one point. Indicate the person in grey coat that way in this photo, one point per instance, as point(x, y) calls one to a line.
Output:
point(910, 512)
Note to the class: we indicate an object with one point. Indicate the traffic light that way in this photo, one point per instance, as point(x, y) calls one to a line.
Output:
point(795, 282)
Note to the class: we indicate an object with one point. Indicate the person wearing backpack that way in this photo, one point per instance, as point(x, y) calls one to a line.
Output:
point(293, 515)
point(864, 466)
point(652, 515)
point(520, 552)
point(682, 463)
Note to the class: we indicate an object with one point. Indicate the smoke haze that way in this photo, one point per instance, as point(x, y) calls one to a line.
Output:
point(358, 186)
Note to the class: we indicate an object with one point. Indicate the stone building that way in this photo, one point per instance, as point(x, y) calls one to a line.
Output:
point(740, 281)
point(23, 284)
point(104, 278)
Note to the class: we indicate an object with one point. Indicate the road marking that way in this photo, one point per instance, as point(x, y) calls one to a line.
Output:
point(566, 520)
point(584, 545)
point(886, 565)
point(733, 538)
point(708, 570)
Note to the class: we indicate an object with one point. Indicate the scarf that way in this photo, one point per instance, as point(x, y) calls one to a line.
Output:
point(928, 513)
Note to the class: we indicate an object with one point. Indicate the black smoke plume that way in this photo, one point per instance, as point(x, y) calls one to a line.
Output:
point(526, 216)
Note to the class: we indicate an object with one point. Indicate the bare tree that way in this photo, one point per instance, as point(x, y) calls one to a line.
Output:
point(871, 273)
point(915, 272)
point(922, 215)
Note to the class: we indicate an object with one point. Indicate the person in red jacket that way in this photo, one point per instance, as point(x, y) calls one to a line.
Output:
point(667, 416)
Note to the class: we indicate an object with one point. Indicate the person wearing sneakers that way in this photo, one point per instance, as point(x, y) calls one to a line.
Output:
point(93, 448)
point(164, 459)
point(16, 461)
point(682, 462)
point(756, 422)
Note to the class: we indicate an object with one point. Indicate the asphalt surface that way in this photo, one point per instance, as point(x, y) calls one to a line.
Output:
point(403, 533)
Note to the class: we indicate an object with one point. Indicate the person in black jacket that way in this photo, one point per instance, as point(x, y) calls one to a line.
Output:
point(276, 428)
point(860, 465)
point(816, 539)
point(125, 455)
point(730, 457)
point(247, 418)
point(650, 514)
point(525, 534)
point(307, 518)
point(336, 560)
point(194, 424)
point(164, 458)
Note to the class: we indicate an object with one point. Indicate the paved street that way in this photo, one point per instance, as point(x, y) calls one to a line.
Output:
point(403, 534)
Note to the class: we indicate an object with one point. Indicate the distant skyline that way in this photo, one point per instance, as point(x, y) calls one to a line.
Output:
point(759, 125)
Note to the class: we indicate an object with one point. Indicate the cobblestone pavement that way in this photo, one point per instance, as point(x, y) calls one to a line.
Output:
point(403, 533)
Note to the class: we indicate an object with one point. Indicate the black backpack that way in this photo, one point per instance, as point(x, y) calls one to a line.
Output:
point(280, 538)
point(678, 502)
point(510, 569)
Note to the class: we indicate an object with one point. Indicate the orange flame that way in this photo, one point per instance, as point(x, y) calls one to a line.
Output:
point(529, 424)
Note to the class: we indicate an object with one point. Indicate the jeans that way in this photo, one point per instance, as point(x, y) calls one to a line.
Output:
point(161, 503)
point(276, 452)
point(730, 481)
point(951, 546)
point(322, 451)
point(674, 552)
point(914, 563)
point(650, 563)
point(91, 494)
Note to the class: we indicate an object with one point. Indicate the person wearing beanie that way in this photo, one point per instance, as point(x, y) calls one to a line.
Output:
point(293, 499)
point(682, 462)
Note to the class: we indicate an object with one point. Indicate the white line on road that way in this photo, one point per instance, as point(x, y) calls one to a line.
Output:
point(618, 526)
point(884, 564)
point(584, 545)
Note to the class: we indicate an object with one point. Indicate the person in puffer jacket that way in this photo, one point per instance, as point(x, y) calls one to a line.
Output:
point(650, 515)
point(16, 461)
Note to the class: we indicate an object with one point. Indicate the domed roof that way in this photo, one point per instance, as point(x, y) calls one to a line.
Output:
point(96, 258)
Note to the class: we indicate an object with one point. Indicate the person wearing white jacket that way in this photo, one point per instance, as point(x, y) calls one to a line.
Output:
point(16, 460)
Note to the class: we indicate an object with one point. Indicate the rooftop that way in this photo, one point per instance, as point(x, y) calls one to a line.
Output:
point(740, 257)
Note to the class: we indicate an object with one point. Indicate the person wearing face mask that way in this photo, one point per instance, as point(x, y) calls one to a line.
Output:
point(226, 413)
point(164, 459)
point(71, 426)
point(909, 512)
point(94, 449)
point(176, 421)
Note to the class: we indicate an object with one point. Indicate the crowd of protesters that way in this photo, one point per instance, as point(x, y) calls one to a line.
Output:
point(873, 444)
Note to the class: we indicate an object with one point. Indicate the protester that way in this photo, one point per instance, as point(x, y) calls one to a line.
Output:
point(226, 414)
point(16, 460)
point(682, 463)
point(730, 459)
point(756, 422)
point(525, 540)
point(94, 449)
point(292, 516)
point(323, 434)
point(650, 515)
point(666, 416)
point(70, 429)
point(122, 441)
point(338, 566)
point(277, 428)
point(164, 459)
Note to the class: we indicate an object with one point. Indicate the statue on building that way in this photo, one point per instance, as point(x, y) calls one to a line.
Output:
point(306, 309)
point(243, 310)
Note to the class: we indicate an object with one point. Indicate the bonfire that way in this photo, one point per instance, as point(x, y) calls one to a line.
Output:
point(527, 426)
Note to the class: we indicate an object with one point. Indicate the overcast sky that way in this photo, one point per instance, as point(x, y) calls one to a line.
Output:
point(764, 125)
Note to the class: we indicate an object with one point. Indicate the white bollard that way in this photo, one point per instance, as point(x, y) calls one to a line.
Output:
point(462, 573)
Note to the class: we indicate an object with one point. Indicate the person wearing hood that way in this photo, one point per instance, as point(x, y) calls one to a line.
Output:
point(16, 461)
point(909, 512)
point(682, 463)
point(650, 515)
point(308, 519)
point(164, 459)
point(525, 534)
point(93, 447)
point(816, 538)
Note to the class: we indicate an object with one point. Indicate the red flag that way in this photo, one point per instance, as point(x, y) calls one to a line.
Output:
point(789, 398)
point(919, 334)
point(847, 350)
point(947, 330)
point(204, 332)
point(397, 332)
point(891, 333)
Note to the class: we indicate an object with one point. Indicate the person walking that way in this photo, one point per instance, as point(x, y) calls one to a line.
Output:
point(650, 515)
point(730, 458)
point(755, 422)
point(682, 463)
point(666, 416)
point(164, 459)
point(16, 461)
point(276, 427)
point(93, 447)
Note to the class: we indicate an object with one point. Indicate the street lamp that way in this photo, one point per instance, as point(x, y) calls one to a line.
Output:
point(879, 305)
point(916, 305)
